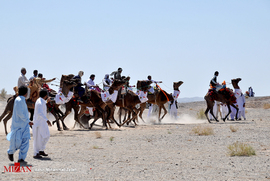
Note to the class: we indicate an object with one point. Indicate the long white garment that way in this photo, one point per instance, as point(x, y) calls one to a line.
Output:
point(41, 133)
point(214, 111)
point(173, 110)
point(233, 113)
point(241, 107)
point(224, 110)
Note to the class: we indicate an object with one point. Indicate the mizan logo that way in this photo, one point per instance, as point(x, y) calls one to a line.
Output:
point(17, 168)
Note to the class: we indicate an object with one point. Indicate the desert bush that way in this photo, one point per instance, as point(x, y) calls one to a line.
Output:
point(200, 114)
point(241, 149)
point(233, 128)
point(111, 138)
point(266, 106)
point(3, 93)
point(203, 131)
point(98, 135)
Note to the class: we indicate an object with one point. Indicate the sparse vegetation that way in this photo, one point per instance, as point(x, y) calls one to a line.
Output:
point(241, 149)
point(169, 132)
point(3, 93)
point(111, 138)
point(95, 147)
point(203, 131)
point(98, 135)
point(266, 106)
point(200, 114)
point(233, 128)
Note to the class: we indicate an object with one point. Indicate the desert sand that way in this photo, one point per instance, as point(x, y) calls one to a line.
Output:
point(152, 151)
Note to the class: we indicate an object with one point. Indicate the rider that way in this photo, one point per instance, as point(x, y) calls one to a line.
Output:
point(153, 81)
point(90, 82)
point(80, 90)
point(117, 74)
point(214, 84)
point(106, 82)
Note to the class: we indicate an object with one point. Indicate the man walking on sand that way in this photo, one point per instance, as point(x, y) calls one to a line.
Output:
point(41, 133)
point(20, 131)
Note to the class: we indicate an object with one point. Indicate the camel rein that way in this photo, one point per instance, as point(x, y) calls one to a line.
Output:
point(163, 93)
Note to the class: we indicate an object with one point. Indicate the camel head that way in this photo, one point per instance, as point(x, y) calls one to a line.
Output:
point(235, 83)
point(176, 85)
point(143, 85)
point(118, 83)
point(65, 77)
point(67, 85)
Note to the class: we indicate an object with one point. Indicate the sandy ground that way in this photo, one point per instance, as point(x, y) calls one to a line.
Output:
point(152, 151)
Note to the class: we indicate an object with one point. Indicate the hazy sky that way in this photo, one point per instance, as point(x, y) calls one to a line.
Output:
point(171, 40)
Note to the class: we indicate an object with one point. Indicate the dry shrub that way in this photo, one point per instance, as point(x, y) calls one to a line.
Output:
point(98, 135)
point(233, 128)
point(200, 114)
point(203, 131)
point(241, 149)
point(111, 138)
point(266, 106)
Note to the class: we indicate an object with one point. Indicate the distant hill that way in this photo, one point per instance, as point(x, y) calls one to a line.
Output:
point(190, 99)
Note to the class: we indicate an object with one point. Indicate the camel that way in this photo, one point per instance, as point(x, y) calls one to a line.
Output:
point(225, 96)
point(91, 98)
point(129, 102)
point(7, 114)
point(160, 97)
point(34, 87)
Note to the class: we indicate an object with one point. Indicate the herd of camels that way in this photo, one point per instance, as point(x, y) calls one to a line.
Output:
point(105, 111)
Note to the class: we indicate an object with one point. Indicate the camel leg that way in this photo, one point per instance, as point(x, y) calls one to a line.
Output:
point(211, 112)
point(56, 120)
point(111, 113)
point(142, 108)
point(165, 111)
point(6, 120)
point(134, 115)
point(206, 114)
point(77, 116)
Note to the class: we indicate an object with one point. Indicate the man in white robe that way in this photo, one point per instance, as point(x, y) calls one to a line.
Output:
point(241, 105)
point(174, 107)
point(90, 82)
point(20, 131)
point(41, 133)
point(224, 110)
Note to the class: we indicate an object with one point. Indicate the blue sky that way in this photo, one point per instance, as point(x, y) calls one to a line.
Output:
point(171, 40)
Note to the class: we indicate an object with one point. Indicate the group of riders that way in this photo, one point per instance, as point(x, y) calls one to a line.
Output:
point(79, 89)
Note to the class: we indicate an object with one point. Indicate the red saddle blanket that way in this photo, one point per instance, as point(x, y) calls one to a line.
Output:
point(226, 92)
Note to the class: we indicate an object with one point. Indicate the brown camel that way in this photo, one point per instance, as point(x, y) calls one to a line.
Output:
point(225, 96)
point(7, 114)
point(129, 102)
point(34, 91)
point(91, 98)
point(160, 97)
